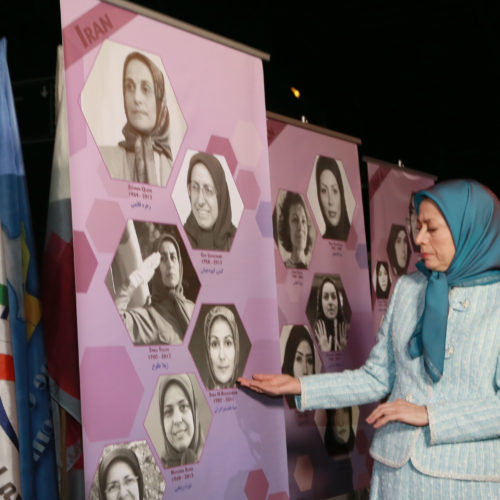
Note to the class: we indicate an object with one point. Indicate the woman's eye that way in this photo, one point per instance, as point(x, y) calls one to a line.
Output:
point(309, 361)
point(146, 88)
point(298, 358)
point(169, 412)
point(129, 86)
point(183, 407)
point(229, 342)
point(322, 190)
point(214, 344)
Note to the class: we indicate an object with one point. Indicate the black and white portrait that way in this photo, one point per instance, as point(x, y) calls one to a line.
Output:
point(329, 312)
point(398, 250)
point(127, 470)
point(298, 354)
point(293, 229)
point(153, 283)
point(207, 201)
point(382, 280)
point(411, 224)
point(178, 420)
point(331, 198)
point(133, 114)
point(219, 345)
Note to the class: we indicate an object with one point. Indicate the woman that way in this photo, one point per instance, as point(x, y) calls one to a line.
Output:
point(437, 357)
point(294, 231)
point(223, 347)
point(298, 359)
point(330, 326)
point(209, 225)
point(180, 422)
point(398, 250)
point(145, 155)
point(120, 475)
point(382, 280)
point(165, 318)
point(330, 190)
point(339, 432)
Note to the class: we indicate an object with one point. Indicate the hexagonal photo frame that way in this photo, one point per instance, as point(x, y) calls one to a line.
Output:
point(219, 345)
point(133, 114)
point(398, 250)
point(207, 201)
point(127, 470)
point(294, 231)
point(298, 354)
point(338, 428)
point(381, 280)
point(331, 199)
point(329, 312)
point(153, 283)
point(178, 419)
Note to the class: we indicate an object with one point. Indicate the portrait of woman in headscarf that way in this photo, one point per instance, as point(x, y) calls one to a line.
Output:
point(330, 326)
point(209, 224)
point(331, 197)
point(145, 154)
point(183, 437)
point(299, 357)
point(295, 232)
point(382, 280)
point(436, 362)
point(222, 342)
point(398, 250)
point(164, 318)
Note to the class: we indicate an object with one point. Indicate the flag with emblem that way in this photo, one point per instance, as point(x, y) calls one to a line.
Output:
point(35, 433)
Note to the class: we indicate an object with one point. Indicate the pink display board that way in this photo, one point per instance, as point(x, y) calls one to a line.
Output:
point(175, 275)
point(393, 229)
point(324, 300)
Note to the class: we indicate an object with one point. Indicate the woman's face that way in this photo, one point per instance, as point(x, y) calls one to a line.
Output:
point(303, 363)
point(203, 197)
point(341, 425)
point(140, 100)
point(222, 350)
point(169, 264)
point(401, 248)
point(329, 301)
point(297, 221)
point(178, 419)
point(383, 278)
point(434, 237)
point(330, 197)
point(121, 482)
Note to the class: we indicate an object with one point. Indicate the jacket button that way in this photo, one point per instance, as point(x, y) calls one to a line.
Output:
point(409, 398)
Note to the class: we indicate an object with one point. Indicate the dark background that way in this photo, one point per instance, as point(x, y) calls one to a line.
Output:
point(415, 81)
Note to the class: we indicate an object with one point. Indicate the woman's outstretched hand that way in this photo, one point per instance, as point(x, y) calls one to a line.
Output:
point(325, 343)
point(272, 385)
point(398, 410)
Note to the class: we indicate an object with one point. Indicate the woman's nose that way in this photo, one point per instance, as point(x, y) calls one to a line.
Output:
point(222, 353)
point(420, 236)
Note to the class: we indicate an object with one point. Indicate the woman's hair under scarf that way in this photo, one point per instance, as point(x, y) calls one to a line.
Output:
point(120, 454)
point(143, 145)
point(473, 216)
point(379, 293)
point(220, 236)
point(169, 301)
point(332, 445)
point(298, 333)
point(191, 454)
point(341, 230)
point(222, 312)
point(320, 314)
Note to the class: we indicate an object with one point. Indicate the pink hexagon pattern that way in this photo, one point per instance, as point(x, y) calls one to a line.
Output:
point(85, 262)
point(105, 225)
point(281, 495)
point(248, 188)
point(264, 219)
point(112, 392)
point(221, 146)
point(257, 485)
point(246, 143)
point(361, 256)
point(304, 473)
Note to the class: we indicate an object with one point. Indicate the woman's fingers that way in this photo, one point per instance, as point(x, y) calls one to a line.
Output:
point(273, 385)
point(398, 410)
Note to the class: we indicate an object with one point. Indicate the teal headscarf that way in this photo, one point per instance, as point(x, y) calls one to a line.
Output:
point(473, 216)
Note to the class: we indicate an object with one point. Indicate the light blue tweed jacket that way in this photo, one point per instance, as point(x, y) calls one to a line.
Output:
point(462, 440)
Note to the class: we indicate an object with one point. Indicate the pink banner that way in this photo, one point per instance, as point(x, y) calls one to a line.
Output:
point(324, 300)
point(176, 295)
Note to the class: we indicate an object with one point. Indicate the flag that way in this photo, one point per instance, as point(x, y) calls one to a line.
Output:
point(36, 440)
point(59, 308)
point(10, 483)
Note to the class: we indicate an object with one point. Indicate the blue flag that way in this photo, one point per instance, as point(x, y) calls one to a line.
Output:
point(36, 441)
